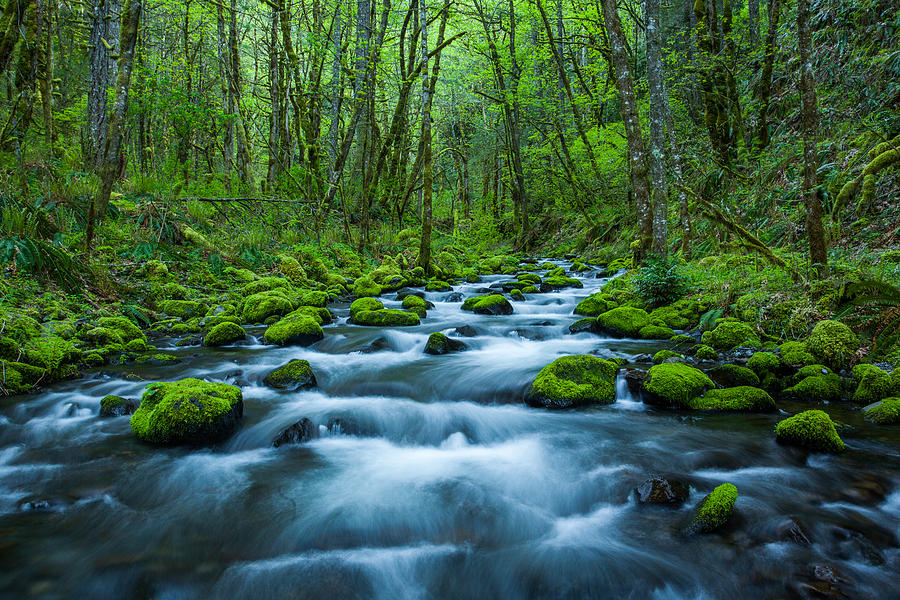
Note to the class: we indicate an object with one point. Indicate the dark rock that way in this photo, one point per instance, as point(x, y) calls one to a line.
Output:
point(634, 380)
point(404, 292)
point(545, 288)
point(584, 325)
point(295, 375)
point(438, 344)
point(643, 359)
point(485, 290)
point(116, 406)
point(658, 490)
point(542, 324)
point(379, 345)
point(453, 297)
point(35, 505)
point(466, 331)
point(508, 286)
point(301, 431)
point(792, 531)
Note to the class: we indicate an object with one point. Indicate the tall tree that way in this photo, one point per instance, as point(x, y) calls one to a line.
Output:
point(809, 125)
point(658, 103)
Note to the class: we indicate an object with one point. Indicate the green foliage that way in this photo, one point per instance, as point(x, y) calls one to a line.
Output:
point(662, 281)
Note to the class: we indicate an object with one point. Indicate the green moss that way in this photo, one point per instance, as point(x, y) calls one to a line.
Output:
point(241, 275)
point(124, 327)
point(682, 340)
point(291, 268)
point(438, 286)
point(675, 384)
point(492, 304)
point(138, 345)
point(573, 381)
point(295, 375)
point(624, 321)
point(731, 334)
point(297, 330)
point(733, 375)
point(189, 411)
point(530, 289)
point(833, 343)
point(438, 344)
point(682, 314)
point(873, 384)
point(704, 352)
point(116, 406)
point(517, 295)
point(155, 270)
point(92, 359)
point(52, 353)
point(764, 362)
point(655, 332)
point(266, 284)
point(223, 334)
point(558, 282)
point(386, 317)
point(317, 299)
point(886, 412)
point(595, 304)
point(365, 287)
point(529, 277)
point(818, 388)
point(795, 354)
point(663, 355)
point(183, 309)
point(715, 509)
point(102, 336)
point(811, 429)
point(262, 305)
point(367, 304)
point(416, 304)
point(741, 399)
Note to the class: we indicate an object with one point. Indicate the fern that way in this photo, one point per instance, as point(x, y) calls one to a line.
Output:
point(880, 302)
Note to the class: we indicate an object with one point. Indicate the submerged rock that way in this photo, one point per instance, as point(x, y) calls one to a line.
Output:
point(295, 375)
point(811, 429)
point(573, 381)
point(658, 490)
point(438, 344)
point(189, 411)
point(466, 331)
point(298, 433)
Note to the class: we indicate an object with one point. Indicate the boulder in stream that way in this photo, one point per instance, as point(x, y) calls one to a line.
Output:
point(491, 304)
point(117, 406)
point(811, 429)
point(737, 399)
point(438, 344)
point(573, 381)
point(295, 375)
point(674, 385)
point(189, 411)
point(223, 334)
point(295, 330)
point(659, 490)
point(714, 510)
point(466, 331)
point(386, 317)
point(298, 433)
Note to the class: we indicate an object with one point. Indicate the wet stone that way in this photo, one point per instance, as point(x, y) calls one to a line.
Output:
point(659, 490)
point(298, 433)
point(466, 331)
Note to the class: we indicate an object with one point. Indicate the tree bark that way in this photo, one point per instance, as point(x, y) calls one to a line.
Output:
point(424, 258)
point(658, 102)
point(103, 42)
point(765, 79)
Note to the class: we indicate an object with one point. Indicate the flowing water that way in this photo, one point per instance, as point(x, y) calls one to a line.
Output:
point(431, 479)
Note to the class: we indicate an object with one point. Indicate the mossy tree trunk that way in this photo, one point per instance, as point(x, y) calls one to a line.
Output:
point(765, 79)
point(658, 103)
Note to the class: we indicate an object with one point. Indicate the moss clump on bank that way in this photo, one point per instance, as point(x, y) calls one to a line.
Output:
point(704, 352)
point(295, 375)
point(224, 334)
point(763, 362)
point(873, 384)
point(263, 305)
point(189, 411)
point(664, 355)
point(735, 399)
point(183, 309)
point(811, 429)
point(624, 321)
point(674, 384)
point(715, 509)
point(301, 330)
point(730, 334)
point(594, 305)
point(886, 412)
point(833, 344)
point(573, 381)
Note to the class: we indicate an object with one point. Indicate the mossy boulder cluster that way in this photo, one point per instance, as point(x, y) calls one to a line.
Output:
point(573, 381)
point(189, 411)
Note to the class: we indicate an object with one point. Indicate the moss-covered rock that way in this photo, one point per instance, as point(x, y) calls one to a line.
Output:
point(316, 299)
point(559, 282)
point(366, 287)
point(297, 330)
point(385, 317)
point(704, 352)
point(266, 284)
point(682, 314)
point(584, 325)
point(811, 429)
point(224, 334)
point(873, 384)
point(764, 362)
point(126, 329)
point(189, 411)
point(624, 321)
point(361, 304)
point(322, 316)
point(291, 268)
point(18, 378)
point(733, 375)
point(738, 399)
point(438, 286)
point(596, 304)
point(155, 270)
point(295, 375)
point(886, 412)
point(183, 309)
point(715, 509)
point(493, 304)
point(731, 334)
point(664, 355)
point(517, 295)
point(117, 406)
point(674, 384)
point(655, 332)
point(532, 278)
point(416, 304)
point(438, 344)
point(795, 354)
point(573, 381)
point(833, 344)
point(263, 305)
point(816, 388)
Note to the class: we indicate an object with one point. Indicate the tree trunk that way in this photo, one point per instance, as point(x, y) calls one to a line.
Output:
point(809, 124)
point(765, 80)
point(112, 155)
point(103, 42)
point(658, 102)
point(640, 182)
